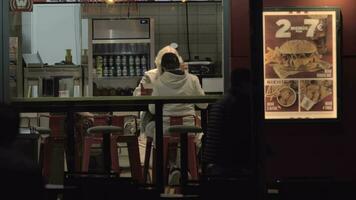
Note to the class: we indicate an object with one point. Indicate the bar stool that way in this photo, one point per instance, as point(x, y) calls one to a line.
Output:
point(50, 137)
point(183, 131)
point(172, 140)
point(108, 140)
point(45, 150)
point(94, 137)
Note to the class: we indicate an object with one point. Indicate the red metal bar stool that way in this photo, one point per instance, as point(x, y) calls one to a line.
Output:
point(171, 141)
point(49, 138)
point(90, 139)
point(95, 137)
point(183, 132)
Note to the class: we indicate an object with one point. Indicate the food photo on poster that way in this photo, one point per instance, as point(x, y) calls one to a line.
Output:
point(316, 95)
point(300, 63)
point(281, 96)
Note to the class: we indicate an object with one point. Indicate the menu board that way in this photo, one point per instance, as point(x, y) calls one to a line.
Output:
point(300, 64)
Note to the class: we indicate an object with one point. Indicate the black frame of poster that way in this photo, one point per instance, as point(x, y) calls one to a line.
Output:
point(338, 76)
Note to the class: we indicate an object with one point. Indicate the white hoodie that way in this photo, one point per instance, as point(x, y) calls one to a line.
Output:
point(153, 74)
point(169, 84)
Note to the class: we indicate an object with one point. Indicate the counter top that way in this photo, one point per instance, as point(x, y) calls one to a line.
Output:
point(124, 103)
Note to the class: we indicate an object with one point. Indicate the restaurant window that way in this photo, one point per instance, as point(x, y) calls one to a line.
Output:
point(77, 49)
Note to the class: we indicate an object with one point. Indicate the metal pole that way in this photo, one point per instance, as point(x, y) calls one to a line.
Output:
point(4, 57)
point(227, 44)
point(256, 44)
point(159, 146)
point(184, 160)
point(70, 141)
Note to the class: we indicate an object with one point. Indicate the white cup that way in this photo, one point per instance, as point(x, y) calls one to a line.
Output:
point(76, 91)
point(34, 91)
point(64, 93)
point(307, 103)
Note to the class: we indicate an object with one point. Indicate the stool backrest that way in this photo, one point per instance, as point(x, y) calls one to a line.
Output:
point(101, 120)
point(118, 121)
point(57, 125)
point(178, 120)
point(56, 122)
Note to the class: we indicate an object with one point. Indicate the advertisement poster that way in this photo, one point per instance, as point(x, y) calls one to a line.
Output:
point(300, 64)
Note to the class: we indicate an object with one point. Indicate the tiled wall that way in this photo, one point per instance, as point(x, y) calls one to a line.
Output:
point(205, 25)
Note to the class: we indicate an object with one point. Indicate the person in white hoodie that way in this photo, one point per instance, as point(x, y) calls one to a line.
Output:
point(174, 81)
point(152, 75)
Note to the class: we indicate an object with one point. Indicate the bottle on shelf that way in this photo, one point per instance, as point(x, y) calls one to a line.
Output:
point(99, 66)
point(111, 66)
point(138, 65)
point(143, 64)
point(105, 67)
point(124, 65)
point(132, 48)
point(118, 66)
point(131, 66)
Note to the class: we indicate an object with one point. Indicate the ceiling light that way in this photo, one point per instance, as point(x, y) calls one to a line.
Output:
point(110, 1)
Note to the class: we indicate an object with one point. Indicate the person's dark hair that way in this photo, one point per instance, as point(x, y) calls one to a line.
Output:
point(9, 123)
point(170, 61)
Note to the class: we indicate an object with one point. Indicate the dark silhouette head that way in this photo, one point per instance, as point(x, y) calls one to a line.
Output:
point(170, 62)
point(9, 123)
point(239, 77)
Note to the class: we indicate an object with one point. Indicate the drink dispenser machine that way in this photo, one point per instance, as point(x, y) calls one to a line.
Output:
point(120, 52)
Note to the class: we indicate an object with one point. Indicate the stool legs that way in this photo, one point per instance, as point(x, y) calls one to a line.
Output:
point(184, 158)
point(46, 149)
point(46, 157)
point(134, 155)
point(165, 156)
point(147, 158)
point(192, 160)
point(87, 143)
point(114, 154)
point(134, 158)
point(167, 142)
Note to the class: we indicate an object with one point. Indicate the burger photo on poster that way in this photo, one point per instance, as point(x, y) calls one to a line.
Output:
point(295, 56)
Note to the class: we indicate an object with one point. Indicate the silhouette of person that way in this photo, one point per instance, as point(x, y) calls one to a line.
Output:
point(227, 148)
point(20, 177)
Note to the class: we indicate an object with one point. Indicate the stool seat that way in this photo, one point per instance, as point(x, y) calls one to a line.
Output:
point(184, 129)
point(43, 130)
point(104, 129)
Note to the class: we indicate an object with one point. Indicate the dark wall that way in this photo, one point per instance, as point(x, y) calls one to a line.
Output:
point(308, 149)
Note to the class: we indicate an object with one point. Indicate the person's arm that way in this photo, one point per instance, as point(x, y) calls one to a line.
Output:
point(151, 107)
point(145, 79)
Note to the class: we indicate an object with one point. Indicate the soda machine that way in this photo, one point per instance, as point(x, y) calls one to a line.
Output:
point(120, 52)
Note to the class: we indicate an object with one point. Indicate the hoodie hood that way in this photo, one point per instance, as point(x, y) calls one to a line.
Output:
point(173, 81)
point(166, 49)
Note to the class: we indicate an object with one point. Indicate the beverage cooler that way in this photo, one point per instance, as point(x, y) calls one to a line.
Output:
point(120, 52)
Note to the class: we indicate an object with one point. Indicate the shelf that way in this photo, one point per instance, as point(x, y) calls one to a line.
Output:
point(117, 77)
point(120, 54)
